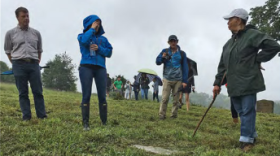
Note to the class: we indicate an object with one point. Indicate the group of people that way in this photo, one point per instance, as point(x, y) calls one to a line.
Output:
point(239, 64)
point(138, 85)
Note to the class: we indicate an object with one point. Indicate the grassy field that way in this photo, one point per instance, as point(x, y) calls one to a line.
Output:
point(129, 123)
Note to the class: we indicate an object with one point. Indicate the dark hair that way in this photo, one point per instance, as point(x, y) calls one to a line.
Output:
point(20, 9)
point(243, 21)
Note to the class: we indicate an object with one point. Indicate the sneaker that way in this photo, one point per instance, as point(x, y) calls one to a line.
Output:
point(86, 127)
point(162, 118)
point(245, 146)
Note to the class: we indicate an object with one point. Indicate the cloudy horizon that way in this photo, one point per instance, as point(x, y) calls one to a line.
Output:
point(138, 31)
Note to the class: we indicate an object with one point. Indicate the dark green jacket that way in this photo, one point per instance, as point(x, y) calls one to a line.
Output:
point(241, 60)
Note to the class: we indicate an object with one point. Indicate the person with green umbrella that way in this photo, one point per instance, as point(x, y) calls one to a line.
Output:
point(175, 74)
point(144, 83)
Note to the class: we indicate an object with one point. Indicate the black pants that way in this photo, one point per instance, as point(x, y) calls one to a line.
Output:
point(234, 113)
point(155, 95)
point(136, 94)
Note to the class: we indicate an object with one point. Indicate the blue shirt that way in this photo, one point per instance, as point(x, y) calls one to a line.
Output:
point(174, 69)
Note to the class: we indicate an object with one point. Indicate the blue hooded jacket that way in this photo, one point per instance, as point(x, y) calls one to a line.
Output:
point(174, 70)
point(104, 47)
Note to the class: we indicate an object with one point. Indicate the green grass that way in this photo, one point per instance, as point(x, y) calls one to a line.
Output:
point(129, 123)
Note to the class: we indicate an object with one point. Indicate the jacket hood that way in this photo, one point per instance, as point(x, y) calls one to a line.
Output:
point(240, 32)
point(88, 22)
point(250, 26)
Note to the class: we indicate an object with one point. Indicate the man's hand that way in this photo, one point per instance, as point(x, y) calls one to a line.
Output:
point(163, 54)
point(10, 58)
point(94, 47)
point(39, 57)
point(184, 85)
point(216, 90)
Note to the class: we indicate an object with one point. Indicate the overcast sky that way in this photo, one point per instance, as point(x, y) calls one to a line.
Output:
point(138, 31)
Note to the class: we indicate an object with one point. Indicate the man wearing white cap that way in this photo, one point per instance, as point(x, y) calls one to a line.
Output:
point(240, 63)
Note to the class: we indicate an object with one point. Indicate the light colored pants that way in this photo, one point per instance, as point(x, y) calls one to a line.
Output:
point(127, 94)
point(169, 86)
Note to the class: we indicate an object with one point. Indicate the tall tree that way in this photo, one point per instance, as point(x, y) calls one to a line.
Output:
point(267, 18)
point(6, 78)
point(61, 74)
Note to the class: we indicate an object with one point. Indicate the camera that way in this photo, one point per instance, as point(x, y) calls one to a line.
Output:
point(167, 57)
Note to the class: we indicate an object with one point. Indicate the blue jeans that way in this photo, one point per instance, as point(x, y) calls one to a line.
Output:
point(136, 94)
point(246, 108)
point(24, 72)
point(144, 92)
point(86, 77)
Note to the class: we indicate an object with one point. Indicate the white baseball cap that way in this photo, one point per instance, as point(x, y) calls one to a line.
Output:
point(241, 13)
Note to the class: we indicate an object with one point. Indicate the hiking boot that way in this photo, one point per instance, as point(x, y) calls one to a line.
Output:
point(246, 146)
point(86, 127)
point(85, 115)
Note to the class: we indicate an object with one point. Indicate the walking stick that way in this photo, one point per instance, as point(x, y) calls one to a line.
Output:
point(214, 98)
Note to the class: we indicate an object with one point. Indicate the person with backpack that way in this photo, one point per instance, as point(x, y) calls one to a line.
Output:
point(175, 74)
point(94, 49)
point(144, 83)
point(240, 64)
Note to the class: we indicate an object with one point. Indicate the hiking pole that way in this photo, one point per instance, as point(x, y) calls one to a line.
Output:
point(214, 98)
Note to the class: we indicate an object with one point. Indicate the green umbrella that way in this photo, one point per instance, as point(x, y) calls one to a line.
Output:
point(147, 71)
